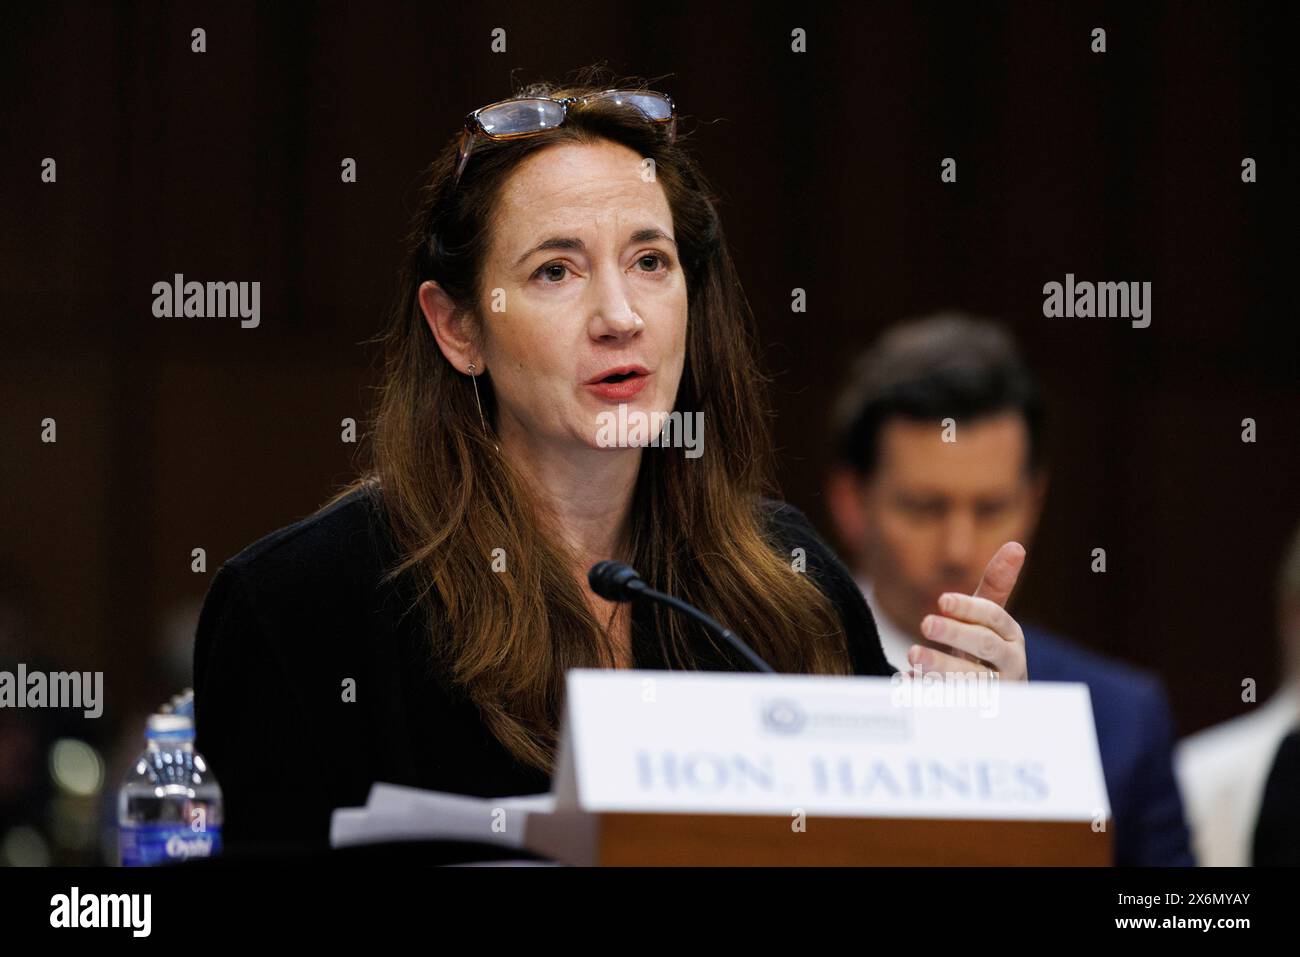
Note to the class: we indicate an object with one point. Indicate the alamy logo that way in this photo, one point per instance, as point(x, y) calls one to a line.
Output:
point(213, 300)
point(103, 910)
point(946, 689)
point(634, 429)
point(56, 689)
point(1104, 300)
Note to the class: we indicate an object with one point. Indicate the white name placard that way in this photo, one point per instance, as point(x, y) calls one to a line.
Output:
point(714, 742)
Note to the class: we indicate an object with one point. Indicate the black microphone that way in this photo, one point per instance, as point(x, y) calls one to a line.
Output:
point(615, 581)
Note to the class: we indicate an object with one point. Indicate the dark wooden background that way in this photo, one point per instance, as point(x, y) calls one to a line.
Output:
point(174, 434)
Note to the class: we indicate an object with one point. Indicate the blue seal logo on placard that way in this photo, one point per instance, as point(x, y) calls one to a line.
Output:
point(784, 716)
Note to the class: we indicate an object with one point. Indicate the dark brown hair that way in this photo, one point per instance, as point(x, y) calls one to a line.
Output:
point(947, 364)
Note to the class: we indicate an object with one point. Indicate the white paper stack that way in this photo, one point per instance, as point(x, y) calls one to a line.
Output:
point(397, 813)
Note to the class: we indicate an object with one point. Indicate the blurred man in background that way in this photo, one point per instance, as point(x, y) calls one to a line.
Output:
point(1238, 777)
point(920, 516)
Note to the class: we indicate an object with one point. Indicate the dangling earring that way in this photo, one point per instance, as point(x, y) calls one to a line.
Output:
point(473, 378)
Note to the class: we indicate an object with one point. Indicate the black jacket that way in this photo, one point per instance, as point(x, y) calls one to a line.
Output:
point(291, 618)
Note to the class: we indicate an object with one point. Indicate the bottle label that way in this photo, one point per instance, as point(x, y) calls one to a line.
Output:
point(144, 845)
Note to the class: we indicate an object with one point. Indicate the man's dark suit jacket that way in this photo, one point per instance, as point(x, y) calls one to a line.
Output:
point(1135, 735)
point(1276, 841)
point(294, 616)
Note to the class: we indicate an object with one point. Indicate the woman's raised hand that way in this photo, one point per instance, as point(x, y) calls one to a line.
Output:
point(978, 627)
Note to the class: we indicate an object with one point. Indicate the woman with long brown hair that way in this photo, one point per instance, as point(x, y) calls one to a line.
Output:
point(566, 270)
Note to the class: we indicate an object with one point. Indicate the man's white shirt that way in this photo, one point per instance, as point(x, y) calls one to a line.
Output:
point(1222, 771)
point(894, 640)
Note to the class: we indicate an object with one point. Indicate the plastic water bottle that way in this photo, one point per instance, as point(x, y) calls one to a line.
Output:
point(169, 809)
